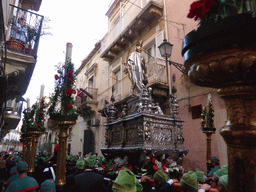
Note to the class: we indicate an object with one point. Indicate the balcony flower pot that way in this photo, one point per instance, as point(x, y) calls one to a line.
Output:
point(223, 55)
point(15, 45)
point(29, 51)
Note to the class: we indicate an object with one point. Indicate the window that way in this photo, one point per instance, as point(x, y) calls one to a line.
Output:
point(91, 82)
point(196, 111)
point(159, 39)
point(151, 51)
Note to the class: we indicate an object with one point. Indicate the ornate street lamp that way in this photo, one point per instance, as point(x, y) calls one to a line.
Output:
point(208, 128)
point(166, 50)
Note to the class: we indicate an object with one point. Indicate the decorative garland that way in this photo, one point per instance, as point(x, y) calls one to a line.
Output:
point(62, 103)
point(34, 119)
point(207, 118)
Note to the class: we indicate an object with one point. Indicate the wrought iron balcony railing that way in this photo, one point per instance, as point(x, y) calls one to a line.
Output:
point(24, 30)
point(156, 71)
point(88, 95)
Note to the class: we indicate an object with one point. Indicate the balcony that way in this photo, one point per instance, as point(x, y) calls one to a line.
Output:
point(130, 26)
point(156, 72)
point(24, 30)
point(84, 101)
point(20, 51)
point(12, 115)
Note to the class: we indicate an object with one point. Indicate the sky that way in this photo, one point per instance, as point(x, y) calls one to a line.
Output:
point(80, 22)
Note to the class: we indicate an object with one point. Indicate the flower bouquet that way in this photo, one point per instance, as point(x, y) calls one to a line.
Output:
point(34, 119)
point(62, 103)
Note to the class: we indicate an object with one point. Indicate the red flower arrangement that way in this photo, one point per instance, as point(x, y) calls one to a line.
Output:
point(70, 73)
point(56, 77)
point(34, 118)
point(69, 91)
point(199, 9)
point(70, 106)
point(155, 167)
point(216, 10)
point(62, 102)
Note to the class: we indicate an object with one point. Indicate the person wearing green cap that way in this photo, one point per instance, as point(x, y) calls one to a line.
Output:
point(11, 179)
point(200, 177)
point(217, 175)
point(48, 186)
point(223, 184)
point(24, 182)
point(126, 181)
point(88, 180)
point(70, 178)
point(90, 161)
point(216, 165)
point(189, 183)
point(162, 182)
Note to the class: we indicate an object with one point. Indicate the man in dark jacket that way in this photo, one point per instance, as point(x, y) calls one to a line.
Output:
point(89, 180)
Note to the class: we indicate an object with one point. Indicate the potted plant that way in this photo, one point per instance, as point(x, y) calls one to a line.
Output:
point(30, 36)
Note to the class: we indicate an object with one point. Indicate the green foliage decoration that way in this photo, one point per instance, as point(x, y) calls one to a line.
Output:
point(62, 103)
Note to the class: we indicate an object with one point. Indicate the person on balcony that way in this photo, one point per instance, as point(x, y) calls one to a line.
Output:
point(20, 30)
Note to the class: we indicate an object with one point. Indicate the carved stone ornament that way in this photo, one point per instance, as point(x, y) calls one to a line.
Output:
point(223, 68)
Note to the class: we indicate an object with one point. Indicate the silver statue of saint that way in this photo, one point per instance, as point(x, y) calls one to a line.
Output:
point(136, 69)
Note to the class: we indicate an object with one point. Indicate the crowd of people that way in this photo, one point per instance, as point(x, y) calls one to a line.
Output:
point(93, 173)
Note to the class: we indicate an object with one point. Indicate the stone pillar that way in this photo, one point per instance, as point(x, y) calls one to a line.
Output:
point(31, 168)
point(61, 158)
point(240, 135)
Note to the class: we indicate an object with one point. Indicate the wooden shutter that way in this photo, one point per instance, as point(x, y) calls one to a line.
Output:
point(159, 39)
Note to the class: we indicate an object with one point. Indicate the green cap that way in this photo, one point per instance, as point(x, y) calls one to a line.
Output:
point(48, 186)
point(225, 166)
point(200, 176)
point(80, 164)
point(189, 182)
point(215, 159)
point(90, 161)
point(125, 181)
point(224, 181)
point(69, 158)
point(193, 174)
point(22, 166)
point(160, 176)
point(13, 170)
point(99, 162)
point(74, 158)
point(219, 173)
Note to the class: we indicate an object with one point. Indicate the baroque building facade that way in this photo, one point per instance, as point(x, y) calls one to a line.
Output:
point(102, 74)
